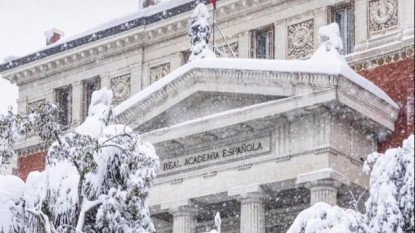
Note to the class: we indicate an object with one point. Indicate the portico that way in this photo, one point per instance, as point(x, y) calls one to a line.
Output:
point(255, 141)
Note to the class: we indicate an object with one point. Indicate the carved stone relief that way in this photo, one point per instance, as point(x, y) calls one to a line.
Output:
point(301, 39)
point(34, 105)
point(224, 51)
point(121, 87)
point(383, 14)
point(159, 72)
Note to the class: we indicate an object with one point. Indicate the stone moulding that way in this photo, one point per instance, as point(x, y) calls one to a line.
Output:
point(39, 148)
point(126, 34)
point(282, 82)
point(384, 59)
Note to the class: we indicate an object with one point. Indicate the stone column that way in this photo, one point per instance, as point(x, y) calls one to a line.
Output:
point(252, 213)
point(323, 191)
point(184, 219)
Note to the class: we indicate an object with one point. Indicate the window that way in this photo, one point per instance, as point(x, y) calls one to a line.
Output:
point(343, 16)
point(64, 100)
point(262, 43)
point(88, 87)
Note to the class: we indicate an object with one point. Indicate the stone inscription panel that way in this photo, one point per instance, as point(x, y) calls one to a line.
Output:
point(217, 155)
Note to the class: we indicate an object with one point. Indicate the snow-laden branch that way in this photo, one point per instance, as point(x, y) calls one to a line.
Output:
point(43, 217)
point(87, 205)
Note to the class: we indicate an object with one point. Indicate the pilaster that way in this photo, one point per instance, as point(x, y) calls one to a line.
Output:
point(280, 40)
point(76, 100)
point(320, 20)
point(136, 79)
point(243, 42)
point(106, 81)
point(361, 29)
point(406, 17)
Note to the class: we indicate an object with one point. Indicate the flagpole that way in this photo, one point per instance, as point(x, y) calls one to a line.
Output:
point(214, 30)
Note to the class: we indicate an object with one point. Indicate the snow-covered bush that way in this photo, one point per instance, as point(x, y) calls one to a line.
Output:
point(97, 179)
point(40, 121)
point(323, 218)
point(11, 189)
point(390, 207)
point(200, 33)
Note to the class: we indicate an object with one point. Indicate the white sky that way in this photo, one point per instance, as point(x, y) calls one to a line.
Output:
point(23, 23)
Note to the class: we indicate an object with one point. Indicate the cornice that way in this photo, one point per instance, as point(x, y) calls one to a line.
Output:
point(138, 31)
point(96, 46)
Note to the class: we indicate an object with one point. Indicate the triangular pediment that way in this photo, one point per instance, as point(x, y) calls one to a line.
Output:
point(207, 88)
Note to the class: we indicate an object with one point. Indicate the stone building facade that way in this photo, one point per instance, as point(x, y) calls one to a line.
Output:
point(140, 50)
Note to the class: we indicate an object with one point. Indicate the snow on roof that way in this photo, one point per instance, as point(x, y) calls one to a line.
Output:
point(323, 62)
point(164, 5)
point(152, 14)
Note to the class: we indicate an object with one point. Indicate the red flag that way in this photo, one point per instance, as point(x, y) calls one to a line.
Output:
point(213, 2)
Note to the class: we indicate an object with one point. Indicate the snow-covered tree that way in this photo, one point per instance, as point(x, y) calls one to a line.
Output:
point(97, 179)
point(390, 207)
point(200, 33)
point(40, 121)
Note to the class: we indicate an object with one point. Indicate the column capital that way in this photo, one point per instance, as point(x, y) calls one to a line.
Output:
point(326, 176)
point(254, 197)
point(326, 183)
point(188, 210)
point(248, 194)
point(184, 207)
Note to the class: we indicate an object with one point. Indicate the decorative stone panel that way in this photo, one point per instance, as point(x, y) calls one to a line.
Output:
point(121, 87)
point(226, 52)
point(159, 72)
point(301, 39)
point(34, 105)
point(383, 14)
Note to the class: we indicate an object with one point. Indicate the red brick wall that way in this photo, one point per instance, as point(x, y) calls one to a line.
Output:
point(29, 163)
point(397, 80)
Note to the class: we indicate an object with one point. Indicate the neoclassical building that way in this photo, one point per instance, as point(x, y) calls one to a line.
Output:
point(259, 137)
